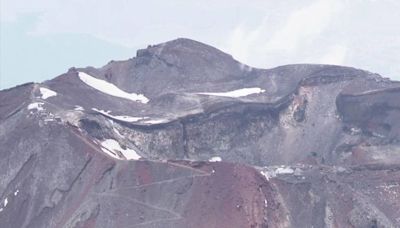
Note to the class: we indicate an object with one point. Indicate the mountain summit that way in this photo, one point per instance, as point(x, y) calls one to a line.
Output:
point(183, 135)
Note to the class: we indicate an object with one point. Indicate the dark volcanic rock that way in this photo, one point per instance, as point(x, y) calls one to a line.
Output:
point(301, 145)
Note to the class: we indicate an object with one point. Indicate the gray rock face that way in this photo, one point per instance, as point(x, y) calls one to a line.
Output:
point(221, 144)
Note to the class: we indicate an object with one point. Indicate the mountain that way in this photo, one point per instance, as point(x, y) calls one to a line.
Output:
point(183, 135)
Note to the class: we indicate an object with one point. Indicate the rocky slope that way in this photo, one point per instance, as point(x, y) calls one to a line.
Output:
point(183, 135)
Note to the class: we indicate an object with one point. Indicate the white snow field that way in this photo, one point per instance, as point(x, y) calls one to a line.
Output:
point(46, 93)
point(215, 159)
point(36, 105)
point(113, 146)
point(121, 118)
point(236, 93)
point(110, 89)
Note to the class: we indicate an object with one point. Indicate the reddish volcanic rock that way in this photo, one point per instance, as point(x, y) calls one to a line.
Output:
point(184, 136)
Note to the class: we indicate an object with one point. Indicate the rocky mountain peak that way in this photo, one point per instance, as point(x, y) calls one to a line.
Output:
point(182, 135)
point(182, 46)
point(174, 65)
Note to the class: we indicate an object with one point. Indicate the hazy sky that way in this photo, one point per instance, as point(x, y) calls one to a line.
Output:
point(42, 39)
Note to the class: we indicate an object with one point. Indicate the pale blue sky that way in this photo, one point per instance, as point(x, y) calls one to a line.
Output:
point(41, 39)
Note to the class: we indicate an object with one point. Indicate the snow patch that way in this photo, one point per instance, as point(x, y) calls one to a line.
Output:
point(78, 108)
point(103, 112)
point(215, 159)
point(46, 93)
point(156, 121)
point(36, 105)
point(49, 119)
point(121, 118)
point(5, 202)
point(111, 146)
point(284, 170)
point(110, 89)
point(270, 172)
point(110, 153)
point(129, 118)
point(16, 192)
point(236, 93)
